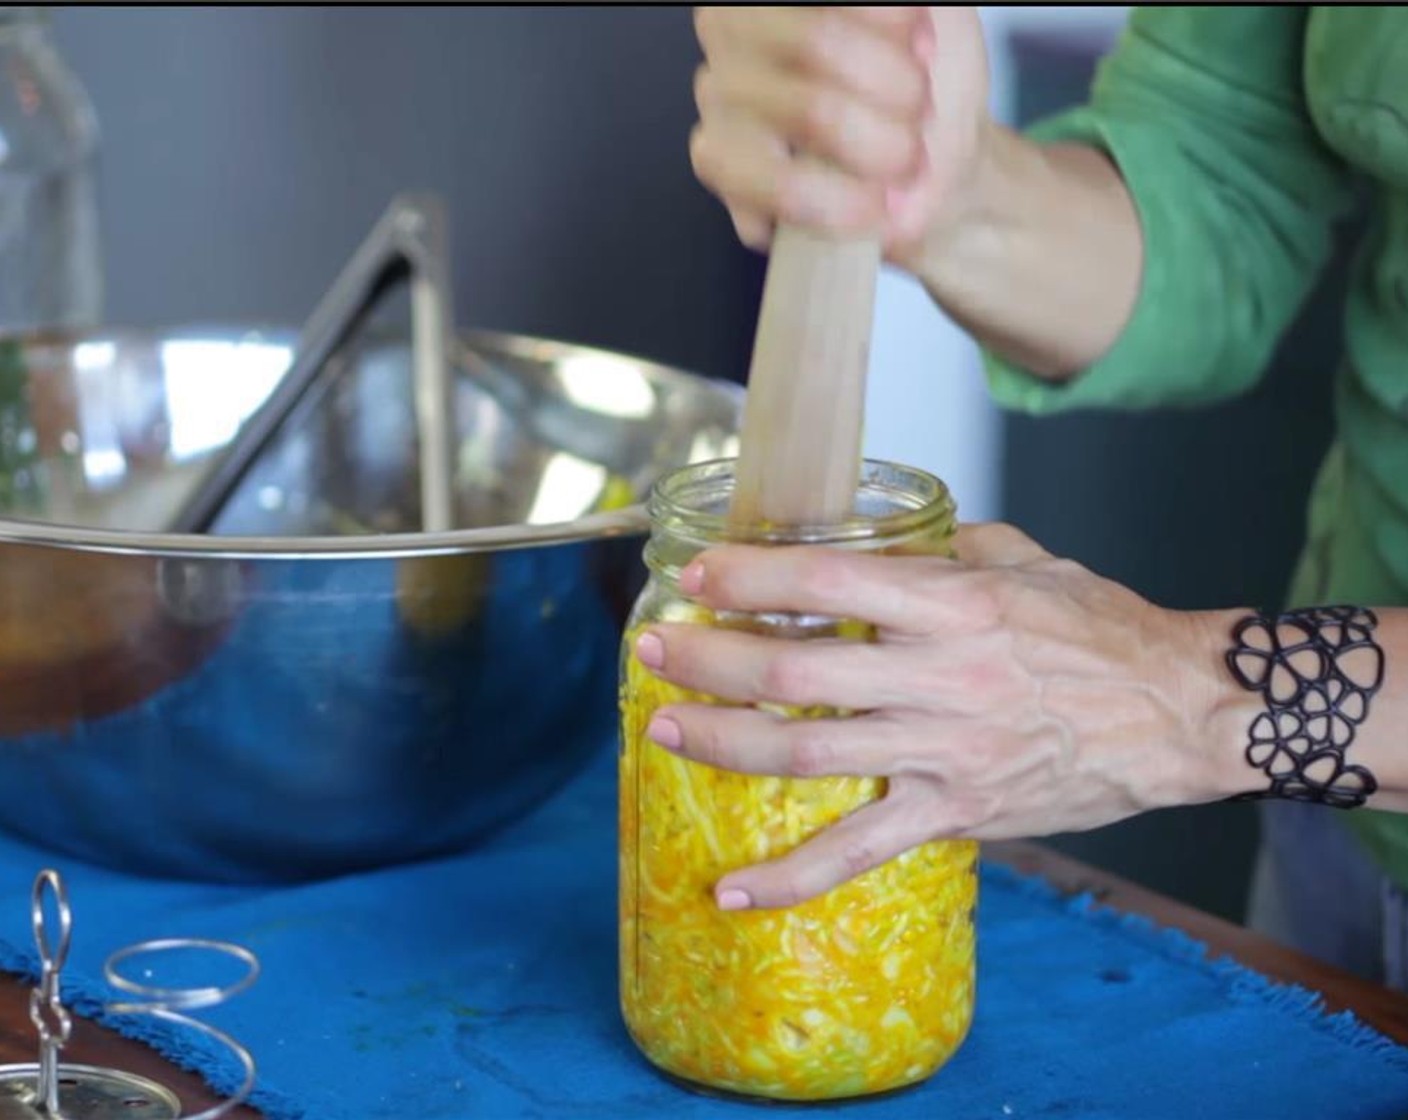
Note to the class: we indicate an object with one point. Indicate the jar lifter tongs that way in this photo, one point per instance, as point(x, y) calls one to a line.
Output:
point(53, 1090)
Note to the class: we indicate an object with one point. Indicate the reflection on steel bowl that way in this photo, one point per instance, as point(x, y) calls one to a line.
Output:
point(315, 686)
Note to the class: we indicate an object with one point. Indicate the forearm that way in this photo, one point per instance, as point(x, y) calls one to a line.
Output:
point(1259, 740)
point(1045, 268)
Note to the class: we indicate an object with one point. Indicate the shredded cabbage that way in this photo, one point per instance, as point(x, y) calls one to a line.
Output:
point(866, 989)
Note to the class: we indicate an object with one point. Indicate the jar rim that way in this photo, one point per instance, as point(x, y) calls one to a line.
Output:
point(920, 498)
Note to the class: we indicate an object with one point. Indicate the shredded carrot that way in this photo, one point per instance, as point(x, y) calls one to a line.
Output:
point(865, 989)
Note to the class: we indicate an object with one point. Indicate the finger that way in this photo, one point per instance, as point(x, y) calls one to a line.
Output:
point(996, 544)
point(753, 229)
point(850, 52)
point(868, 52)
point(748, 167)
point(898, 21)
point(891, 592)
point(751, 669)
point(857, 843)
point(819, 118)
point(748, 741)
point(738, 159)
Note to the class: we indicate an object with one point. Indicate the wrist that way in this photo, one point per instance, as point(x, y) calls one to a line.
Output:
point(1283, 706)
point(1221, 712)
point(970, 227)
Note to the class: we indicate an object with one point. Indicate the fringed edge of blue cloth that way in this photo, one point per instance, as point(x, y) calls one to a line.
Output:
point(209, 1061)
point(1244, 982)
point(189, 1050)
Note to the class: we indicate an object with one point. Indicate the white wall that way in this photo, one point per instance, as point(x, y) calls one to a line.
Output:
point(927, 405)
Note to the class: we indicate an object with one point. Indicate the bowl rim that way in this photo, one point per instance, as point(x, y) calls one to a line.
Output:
point(632, 520)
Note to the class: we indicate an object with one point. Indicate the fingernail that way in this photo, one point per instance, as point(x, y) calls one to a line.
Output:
point(692, 578)
point(650, 651)
point(734, 899)
point(665, 732)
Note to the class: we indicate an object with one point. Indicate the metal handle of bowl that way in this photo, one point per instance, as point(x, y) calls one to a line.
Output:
point(410, 240)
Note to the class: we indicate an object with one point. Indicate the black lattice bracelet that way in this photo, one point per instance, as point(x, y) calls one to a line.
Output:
point(1317, 671)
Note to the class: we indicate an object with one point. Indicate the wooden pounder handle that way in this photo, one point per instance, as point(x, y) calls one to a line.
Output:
point(800, 448)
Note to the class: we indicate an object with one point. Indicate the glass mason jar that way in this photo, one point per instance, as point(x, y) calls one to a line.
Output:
point(864, 990)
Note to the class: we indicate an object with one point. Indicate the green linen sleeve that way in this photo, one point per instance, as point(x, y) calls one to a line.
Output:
point(1203, 110)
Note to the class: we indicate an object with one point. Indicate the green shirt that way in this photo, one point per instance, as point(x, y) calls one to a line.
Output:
point(1242, 133)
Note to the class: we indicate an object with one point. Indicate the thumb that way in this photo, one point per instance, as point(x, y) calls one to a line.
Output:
point(995, 544)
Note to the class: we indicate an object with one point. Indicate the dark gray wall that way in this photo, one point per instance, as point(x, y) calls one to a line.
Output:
point(247, 150)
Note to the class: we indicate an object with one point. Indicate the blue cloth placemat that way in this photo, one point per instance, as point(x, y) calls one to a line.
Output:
point(484, 985)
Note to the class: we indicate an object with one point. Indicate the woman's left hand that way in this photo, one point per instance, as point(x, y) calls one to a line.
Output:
point(1007, 693)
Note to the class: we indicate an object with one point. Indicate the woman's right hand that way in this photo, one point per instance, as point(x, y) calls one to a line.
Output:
point(846, 120)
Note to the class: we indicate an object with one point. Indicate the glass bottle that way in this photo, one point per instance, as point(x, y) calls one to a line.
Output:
point(50, 262)
point(50, 259)
point(864, 990)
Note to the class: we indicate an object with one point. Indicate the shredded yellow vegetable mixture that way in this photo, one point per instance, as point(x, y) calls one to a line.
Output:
point(866, 989)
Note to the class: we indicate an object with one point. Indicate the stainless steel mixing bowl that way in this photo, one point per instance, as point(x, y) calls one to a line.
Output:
point(315, 686)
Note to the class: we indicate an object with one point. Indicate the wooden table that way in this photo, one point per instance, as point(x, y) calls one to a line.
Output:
point(1382, 1009)
point(96, 1046)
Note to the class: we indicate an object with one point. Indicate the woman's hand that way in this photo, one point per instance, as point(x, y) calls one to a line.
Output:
point(842, 119)
point(1008, 693)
